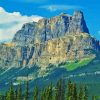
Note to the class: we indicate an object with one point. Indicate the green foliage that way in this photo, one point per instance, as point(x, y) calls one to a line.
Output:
point(94, 98)
point(19, 94)
point(16, 95)
point(26, 92)
point(81, 93)
point(10, 94)
point(72, 91)
point(35, 94)
point(76, 64)
point(42, 95)
point(57, 92)
point(85, 93)
point(60, 90)
point(69, 91)
point(47, 93)
point(1, 98)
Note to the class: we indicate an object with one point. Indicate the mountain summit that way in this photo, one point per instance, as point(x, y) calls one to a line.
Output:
point(57, 40)
point(55, 27)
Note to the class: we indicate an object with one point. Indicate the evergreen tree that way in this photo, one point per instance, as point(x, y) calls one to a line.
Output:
point(35, 94)
point(10, 94)
point(19, 97)
point(50, 92)
point(6, 96)
point(16, 95)
point(85, 93)
point(81, 94)
point(70, 90)
point(46, 93)
point(74, 92)
point(26, 93)
point(57, 92)
point(42, 95)
point(60, 90)
point(1, 97)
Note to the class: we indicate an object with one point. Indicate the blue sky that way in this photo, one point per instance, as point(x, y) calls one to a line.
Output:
point(49, 8)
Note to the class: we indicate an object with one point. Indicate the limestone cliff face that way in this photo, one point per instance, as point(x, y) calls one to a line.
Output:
point(50, 41)
point(55, 27)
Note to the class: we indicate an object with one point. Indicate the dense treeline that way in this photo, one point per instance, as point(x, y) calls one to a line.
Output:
point(61, 91)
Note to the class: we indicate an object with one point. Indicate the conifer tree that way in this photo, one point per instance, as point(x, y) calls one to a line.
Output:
point(60, 90)
point(19, 97)
point(35, 93)
point(48, 92)
point(26, 93)
point(16, 94)
point(64, 88)
point(10, 94)
point(1, 97)
point(57, 91)
point(42, 95)
point(74, 92)
point(6, 95)
point(50, 96)
point(69, 90)
point(85, 93)
point(81, 94)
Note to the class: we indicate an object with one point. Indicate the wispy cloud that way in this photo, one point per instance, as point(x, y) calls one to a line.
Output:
point(12, 22)
point(53, 8)
point(99, 33)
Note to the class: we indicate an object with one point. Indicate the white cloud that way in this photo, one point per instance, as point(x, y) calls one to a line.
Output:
point(12, 22)
point(59, 7)
point(1, 10)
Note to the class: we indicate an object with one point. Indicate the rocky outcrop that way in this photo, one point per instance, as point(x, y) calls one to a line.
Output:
point(26, 35)
point(50, 41)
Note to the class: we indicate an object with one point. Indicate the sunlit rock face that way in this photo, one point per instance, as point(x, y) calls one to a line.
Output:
point(50, 41)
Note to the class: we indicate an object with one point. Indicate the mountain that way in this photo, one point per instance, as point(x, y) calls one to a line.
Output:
point(49, 49)
point(56, 40)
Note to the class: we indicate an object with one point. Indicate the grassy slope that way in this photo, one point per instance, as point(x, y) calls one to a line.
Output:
point(89, 61)
point(79, 63)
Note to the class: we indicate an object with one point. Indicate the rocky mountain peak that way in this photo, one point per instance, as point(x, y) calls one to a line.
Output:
point(78, 24)
point(78, 14)
point(50, 41)
point(54, 27)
